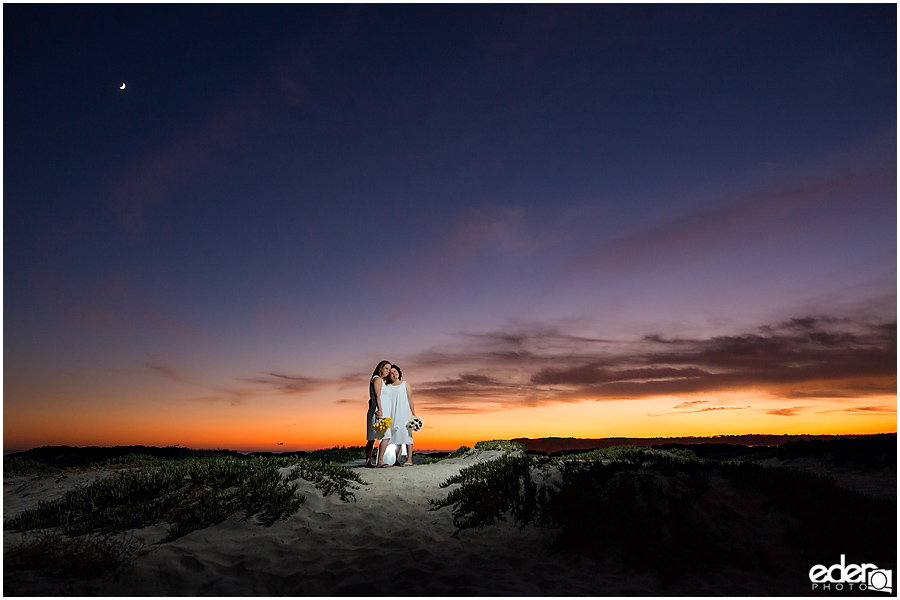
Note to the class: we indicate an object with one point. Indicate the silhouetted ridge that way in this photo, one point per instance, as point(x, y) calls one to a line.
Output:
point(733, 446)
point(61, 457)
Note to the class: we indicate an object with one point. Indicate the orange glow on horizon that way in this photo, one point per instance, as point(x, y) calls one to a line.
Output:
point(281, 424)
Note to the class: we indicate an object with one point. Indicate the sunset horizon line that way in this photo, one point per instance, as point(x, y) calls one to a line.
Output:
point(249, 450)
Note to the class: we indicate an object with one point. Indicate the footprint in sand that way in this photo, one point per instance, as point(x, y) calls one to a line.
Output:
point(192, 563)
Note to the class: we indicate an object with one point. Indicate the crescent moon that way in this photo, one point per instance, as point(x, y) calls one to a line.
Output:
point(122, 87)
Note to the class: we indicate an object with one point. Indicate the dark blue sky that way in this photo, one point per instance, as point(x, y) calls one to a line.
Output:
point(305, 189)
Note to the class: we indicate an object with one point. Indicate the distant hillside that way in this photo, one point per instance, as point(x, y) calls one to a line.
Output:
point(556, 444)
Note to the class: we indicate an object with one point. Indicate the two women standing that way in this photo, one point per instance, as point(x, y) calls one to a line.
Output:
point(389, 396)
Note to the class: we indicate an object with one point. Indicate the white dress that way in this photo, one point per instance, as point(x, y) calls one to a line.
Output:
point(397, 408)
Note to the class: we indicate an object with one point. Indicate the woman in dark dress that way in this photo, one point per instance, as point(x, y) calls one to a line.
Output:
point(379, 376)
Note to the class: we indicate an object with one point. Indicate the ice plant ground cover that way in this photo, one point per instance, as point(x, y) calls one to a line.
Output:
point(70, 556)
point(674, 514)
point(86, 531)
point(188, 494)
point(66, 460)
point(444, 456)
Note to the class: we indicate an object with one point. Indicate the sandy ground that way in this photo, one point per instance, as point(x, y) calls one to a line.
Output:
point(387, 543)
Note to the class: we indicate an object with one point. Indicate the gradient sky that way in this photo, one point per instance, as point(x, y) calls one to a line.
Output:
point(582, 220)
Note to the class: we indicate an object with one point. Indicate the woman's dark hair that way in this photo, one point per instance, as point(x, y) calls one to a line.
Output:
point(378, 368)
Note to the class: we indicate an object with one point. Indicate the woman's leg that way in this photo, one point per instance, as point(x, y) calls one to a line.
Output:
point(408, 455)
point(382, 446)
point(369, 446)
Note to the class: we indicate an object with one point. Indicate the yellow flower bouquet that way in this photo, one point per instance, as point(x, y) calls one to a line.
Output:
point(381, 425)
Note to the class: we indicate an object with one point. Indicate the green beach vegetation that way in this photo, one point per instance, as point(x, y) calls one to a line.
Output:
point(491, 490)
point(85, 531)
point(672, 513)
point(14, 466)
point(64, 460)
point(505, 446)
point(187, 494)
point(338, 454)
point(53, 552)
point(439, 456)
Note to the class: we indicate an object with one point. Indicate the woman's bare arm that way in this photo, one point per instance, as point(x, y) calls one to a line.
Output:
point(378, 386)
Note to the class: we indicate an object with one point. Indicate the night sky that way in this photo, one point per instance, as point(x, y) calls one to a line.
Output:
point(583, 220)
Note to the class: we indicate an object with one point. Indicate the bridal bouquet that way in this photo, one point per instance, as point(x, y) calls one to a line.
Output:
point(381, 425)
point(415, 424)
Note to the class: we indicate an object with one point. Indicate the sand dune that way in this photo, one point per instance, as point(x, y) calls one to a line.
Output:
point(387, 543)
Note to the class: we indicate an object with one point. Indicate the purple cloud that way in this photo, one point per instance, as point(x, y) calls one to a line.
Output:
point(806, 357)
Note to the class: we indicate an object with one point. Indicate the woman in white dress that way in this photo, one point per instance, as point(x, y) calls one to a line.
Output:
point(398, 404)
point(379, 375)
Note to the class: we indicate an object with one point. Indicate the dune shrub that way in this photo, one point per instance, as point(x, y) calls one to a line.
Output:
point(124, 462)
point(491, 490)
point(826, 520)
point(630, 454)
point(14, 466)
point(676, 514)
point(82, 556)
point(188, 494)
point(462, 450)
point(459, 452)
point(505, 446)
point(664, 515)
point(647, 516)
point(329, 478)
point(866, 452)
point(338, 454)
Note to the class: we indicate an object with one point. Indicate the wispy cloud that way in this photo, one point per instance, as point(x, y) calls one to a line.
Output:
point(466, 236)
point(92, 317)
point(168, 324)
point(868, 410)
point(699, 410)
point(827, 192)
point(286, 384)
point(156, 174)
point(689, 404)
point(169, 373)
point(260, 387)
point(231, 396)
point(786, 412)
